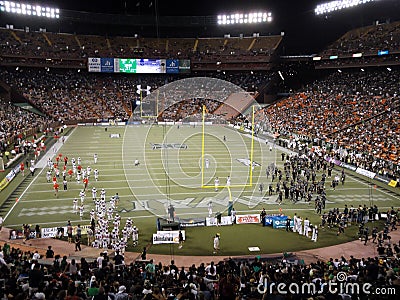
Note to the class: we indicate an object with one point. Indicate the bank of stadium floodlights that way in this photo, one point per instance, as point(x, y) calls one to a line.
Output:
point(244, 18)
point(333, 6)
point(29, 9)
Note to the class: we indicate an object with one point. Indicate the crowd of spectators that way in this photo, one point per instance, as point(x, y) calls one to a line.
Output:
point(356, 112)
point(67, 95)
point(34, 275)
point(63, 48)
point(180, 111)
point(367, 40)
point(16, 124)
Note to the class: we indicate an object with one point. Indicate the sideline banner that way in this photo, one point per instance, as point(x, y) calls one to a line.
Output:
point(51, 232)
point(280, 222)
point(247, 219)
point(213, 221)
point(367, 173)
point(192, 222)
point(167, 237)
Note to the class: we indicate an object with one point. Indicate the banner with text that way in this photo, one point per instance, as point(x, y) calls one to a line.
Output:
point(167, 237)
point(247, 219)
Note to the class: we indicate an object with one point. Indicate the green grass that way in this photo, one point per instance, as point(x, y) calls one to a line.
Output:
point(174, 176)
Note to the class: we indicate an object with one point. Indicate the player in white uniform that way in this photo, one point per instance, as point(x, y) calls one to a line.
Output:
point(306, 227)
point(79, 161)
point(94, 193)
point(210, 209)
point(97, 205)
point(96, 174)
point(300, 225)
point(228, 181)
point(95, 158)
point(75, 205)
point(103, 195)
point(112, 202)
point(88, 171)
point(81, 210)
point(48, 175)
point(92, 214)
point(78, 176)
point(216, 183)
point(135, 235)
point(295, 223)
point(110, 212)
point(207, 162)
point(82, 195)
point(49, 163)
point(314, 235)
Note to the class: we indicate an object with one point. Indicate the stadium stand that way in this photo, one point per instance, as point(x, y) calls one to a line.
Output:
point(356, 111)
point(368, 40)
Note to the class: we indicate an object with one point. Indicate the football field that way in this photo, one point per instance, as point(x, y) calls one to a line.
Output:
point(173, 170)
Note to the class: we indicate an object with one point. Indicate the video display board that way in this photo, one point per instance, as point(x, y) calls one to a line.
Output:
point(138, 65)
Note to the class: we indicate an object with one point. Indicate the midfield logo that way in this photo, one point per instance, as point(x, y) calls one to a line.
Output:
point(168, 146)
point(246, 162)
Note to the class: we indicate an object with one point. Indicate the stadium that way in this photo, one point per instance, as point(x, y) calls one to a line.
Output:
point(230, 150)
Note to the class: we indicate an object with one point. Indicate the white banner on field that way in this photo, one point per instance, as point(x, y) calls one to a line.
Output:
point(364, 172)
point(167, 237)
point(213, 221)
point(49, 232)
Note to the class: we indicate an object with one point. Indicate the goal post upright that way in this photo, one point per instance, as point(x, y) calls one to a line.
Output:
point(141, 106)
point(252, 147)
point(202, 146)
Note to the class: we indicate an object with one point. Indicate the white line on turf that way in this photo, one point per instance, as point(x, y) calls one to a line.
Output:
point(27, 188)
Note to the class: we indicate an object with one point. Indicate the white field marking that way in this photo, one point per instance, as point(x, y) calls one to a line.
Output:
point(380, 190)
point(123, 162)
point(191, 182)
point(206, 192)
point(202, 214)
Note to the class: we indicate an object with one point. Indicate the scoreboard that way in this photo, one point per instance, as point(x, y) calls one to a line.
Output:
point(138, 65)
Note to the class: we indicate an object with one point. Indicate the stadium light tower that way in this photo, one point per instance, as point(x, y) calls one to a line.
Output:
point(332, 6)
point(244, 18)
point(29, 9)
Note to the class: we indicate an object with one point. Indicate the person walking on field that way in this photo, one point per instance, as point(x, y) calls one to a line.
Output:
point(216, 243)
point(180, 239)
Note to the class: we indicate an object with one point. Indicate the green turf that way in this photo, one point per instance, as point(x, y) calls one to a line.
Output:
point(174, 176)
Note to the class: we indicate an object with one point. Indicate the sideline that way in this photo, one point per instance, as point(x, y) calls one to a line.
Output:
point(41, 163)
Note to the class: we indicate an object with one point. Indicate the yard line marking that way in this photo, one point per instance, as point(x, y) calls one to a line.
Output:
point(26, 189)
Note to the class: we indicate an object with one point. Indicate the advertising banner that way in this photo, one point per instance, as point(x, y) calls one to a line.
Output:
point(94, 64)
point(213, 221)
point(192, 222)
point(107, 65)
point(382, 178)
point(280, 222)
point(247, 219)
point(167, 237)
point(172, 66)
point(364, 172)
